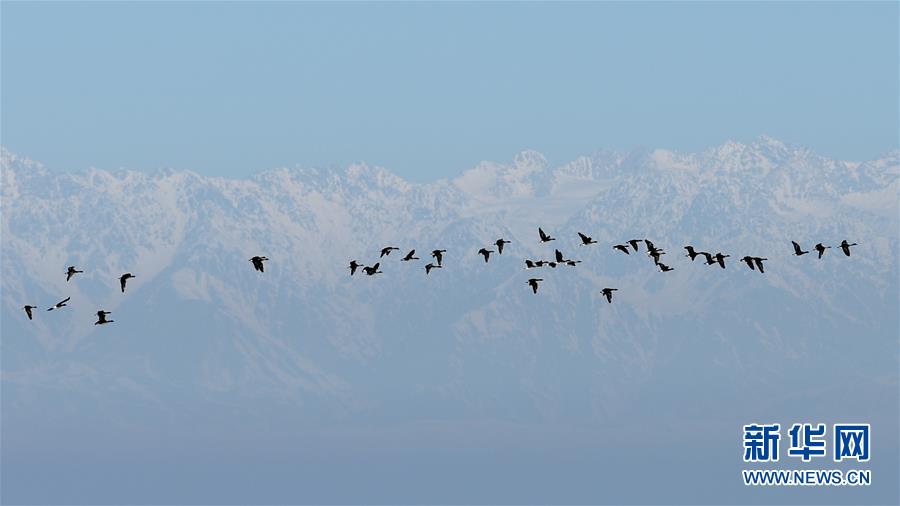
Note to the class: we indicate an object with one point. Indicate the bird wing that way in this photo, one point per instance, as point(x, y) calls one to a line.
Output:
point(559, 256)
point(584, 238)
point(122, 281)
point(796, 247)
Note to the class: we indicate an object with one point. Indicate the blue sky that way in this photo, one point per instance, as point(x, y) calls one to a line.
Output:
point(428, 90)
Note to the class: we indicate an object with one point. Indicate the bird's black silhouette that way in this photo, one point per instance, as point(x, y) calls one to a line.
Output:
point(749, 261)
point(500, 242)
point(353, 266)
point(438, 255)
point(552, 264)
point(410, 256)
point(101, 318)
point(845, 247)
point(585, 239)
point(559, 256)
point(649, 244)
point(71, 272)
point(655, 253)
point(544, 236)
point(720, 258)
point(797, 250)
point(622, 248)
point(608, 293)
point(709, 257)
point(387, 250)
point(540, 263)
point(692, 253)
point(533, 282)
point(124, 278)
point(430, 266)
point(258, 263)
point(486, 253)
point(529, 264)
point(759, 263)
point(373, 270)
point(59, 304)
point(665, 268)
point(634, 243)
point(28, 310)
point(821, 249)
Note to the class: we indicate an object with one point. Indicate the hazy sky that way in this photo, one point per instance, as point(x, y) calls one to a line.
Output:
point(428, 90)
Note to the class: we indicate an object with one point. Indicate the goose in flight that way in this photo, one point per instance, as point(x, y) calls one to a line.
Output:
point(559, 256)
point(797, 251)
point(387, 251)
point(665, 268)
point(608, 293)
point(585, 239)
point(258, 263)
point(71, 272)
point(529, 264)
point(124, 278)
point(845, 247)
point(721, 259)
point(691, 253)
point(656, 253)
point(634, 243)
point(101, 317)
point(622, 248)
point(430, 266)
point(500, 242)
point(544, 236)
point(650, 246)
point(438, 255)
point(533, 282)
point(373, 270)
point(28, 310)
point(353, 266)
point(749, 261)
point(709, 257)
point(486, 253)
point(59, 304)
point(821, 249)
point(410, 256)
point(759, 263)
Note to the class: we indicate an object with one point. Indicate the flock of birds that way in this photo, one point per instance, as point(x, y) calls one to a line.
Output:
point(753, 262)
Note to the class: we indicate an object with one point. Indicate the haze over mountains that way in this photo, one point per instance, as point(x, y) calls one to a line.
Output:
point(200, 335)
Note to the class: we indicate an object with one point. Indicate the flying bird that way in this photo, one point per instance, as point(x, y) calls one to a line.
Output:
point(608, 293)
point(533, 282)
point(410, 256)
point(101, 317)
point(655, 253)
point(540, 263)
point(71, 272)
point(373, 270)
point(387, 251)
point(438, 255)
point(821, 249)
point(258, 263)
point(430, 266)
point(665, 268)
point(634, 243)
point(759, 263)
point(559, 256)
point(709, 257)
point(691, 253)
point(845, 247)
point(124, 278)
point(486, 253)
point(797, 251)
point(749, 261)
point(721, 259)
point(544, 236)
point(353, 266)
point(59, 304)
point(28, 310)
point(586, 239)
point(529, 264)
point(500, 242)
point(649, 244)
point(622, 248)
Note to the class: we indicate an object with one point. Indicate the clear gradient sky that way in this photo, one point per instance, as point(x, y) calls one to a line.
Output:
point(428, 90)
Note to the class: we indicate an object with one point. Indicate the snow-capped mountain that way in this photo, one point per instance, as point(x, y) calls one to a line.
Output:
point(199, 327)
